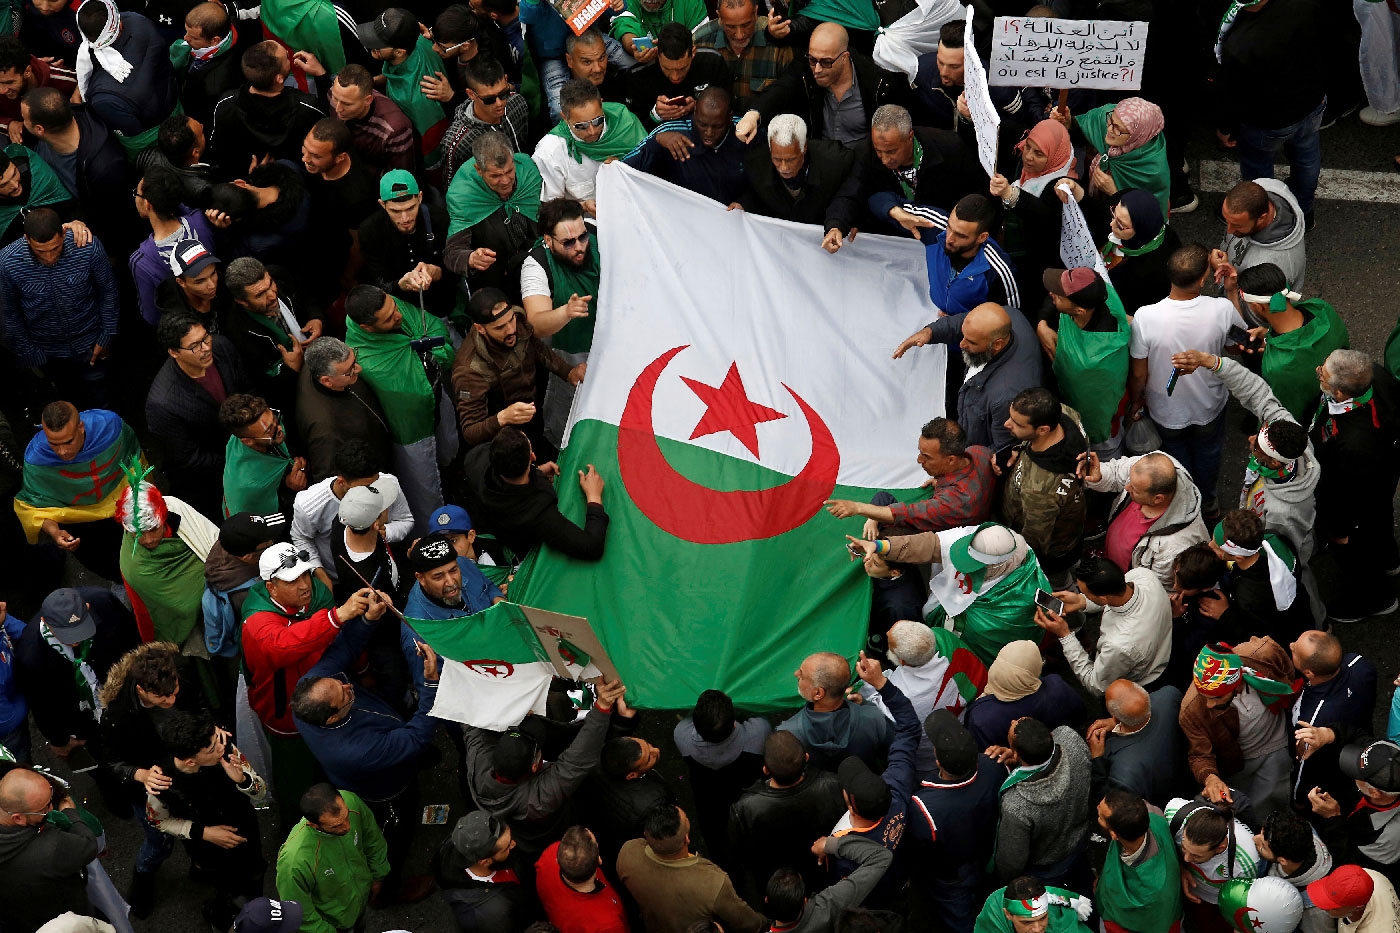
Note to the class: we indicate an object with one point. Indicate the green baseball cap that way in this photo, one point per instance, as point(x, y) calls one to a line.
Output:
point(398, 183)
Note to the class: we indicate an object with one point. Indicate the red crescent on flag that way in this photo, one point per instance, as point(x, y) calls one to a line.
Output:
point(1242, 921)
point(703, 515)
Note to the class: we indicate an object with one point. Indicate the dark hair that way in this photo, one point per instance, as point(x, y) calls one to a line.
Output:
point(234, 201)
point(176, 138)
point(319, 799)
point(575, 93)
point(1289, 438)
point(978, 209)
point(661, 825)
point(510, 453)
point(483, 71)
point(92, 19)
point(785, 895)
point(42, 224)
point(1263, 279)
point(162, 189)
point(185, 734)
point(1025, 888)
point(950, 34)
point(456, 24)
point(1243, 527)
point(862, 920)
point(1247, 197)
point(354, 459)
point(1127, 814)
point(309, 708)
point(1187, 265)
point(13, 55)
point(500, 7)
point(333, 131)
point(363, 303)
point(620, 756)
point(1032, 741)
point(1197, 567)
point(557, 210)
point(156, 669)
point(48, 109)
point(262, 66)
point(172, 328)
point(240, 410)
point(5, 162)
point(952, 439)
point(57, 415)
point(1288, 835)
point(1101, 577)
point(1039, 406)
point(713, 717)
point(356, 76)
point(675, 41)
point(784, 757)
point(1208, 826)
point(577, 855)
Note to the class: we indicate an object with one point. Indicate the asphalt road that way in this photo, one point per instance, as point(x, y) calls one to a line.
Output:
point(1352, 263)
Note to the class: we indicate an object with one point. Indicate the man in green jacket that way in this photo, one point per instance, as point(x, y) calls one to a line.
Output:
point(333, 861)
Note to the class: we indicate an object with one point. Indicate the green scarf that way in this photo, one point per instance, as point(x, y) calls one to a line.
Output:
point(566, 280)
point(1111, 247)
point(1092, 369)
point(622, 132)
point(259, 600)
point(395, 372)
point(1289, 363)
point(1392, 351)
point(84, 677)
point(134, 146)
point(470, 201)
point(274, 326)
point(44, 185)
point(1145, 167)
point(918, 159)
point(1145, 897)
point(252, 478)
point(169, 579)
point(309, 25)
point(181, 55)
point(401, 85)
point(1063, 918)
point(1000, 615)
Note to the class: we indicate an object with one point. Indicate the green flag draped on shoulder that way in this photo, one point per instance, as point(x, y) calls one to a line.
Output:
point(394, 370)
point(622, 132)
point(1092, 369)
point(45, 187)
point(1144, 167)
point(1062, 910)
point(566, 281)
point(1290, 361)
point(402, 86)
point(470, 201)
point(168, 583)
point(252, 478)
point(308, 25)
point(1145, 897)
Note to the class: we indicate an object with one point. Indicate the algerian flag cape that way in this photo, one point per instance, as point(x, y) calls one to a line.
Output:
point(494, 669)
point(986, 613)
point(1063, 916)
point(622, 132)
point(401, 85)
point(576, 336)
point(252, 477)
point(308, 25)
point(395, 372)
point(166, 583)
point(1290, 361)
point(1145, 898)
point(1092, 368)
point(726, 400)
point(1145, 167)
point(84, 489)
point(470, 201)
point(44, 185)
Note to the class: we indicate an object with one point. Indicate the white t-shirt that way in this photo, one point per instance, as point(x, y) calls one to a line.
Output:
point(533, 279)
point(1168, 327)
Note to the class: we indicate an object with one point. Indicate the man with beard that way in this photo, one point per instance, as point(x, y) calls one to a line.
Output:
point(492, 206)
point(402, 246)
point(495, 370)
point(966, 267)
point(701, 153)
point(448, 585)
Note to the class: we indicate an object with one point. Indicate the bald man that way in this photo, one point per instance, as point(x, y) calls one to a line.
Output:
point(1339, 694)
point(836, 91)
point(42, 858)
point(830, 726)
point(1156, 516)
point(1137, 747)
point(700, 153)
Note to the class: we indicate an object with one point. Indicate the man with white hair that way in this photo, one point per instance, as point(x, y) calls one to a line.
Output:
point(983, 582)
point(1354, 434)
point(334, 405)
point(1137, 747)
point(934, 669)
point(793, 177)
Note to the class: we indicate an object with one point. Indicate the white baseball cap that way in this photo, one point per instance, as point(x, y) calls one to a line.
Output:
point(285, 561)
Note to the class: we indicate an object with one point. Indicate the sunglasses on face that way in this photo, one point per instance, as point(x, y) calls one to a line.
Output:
point(589, 124)
point(825, 63)
point(489, 99)
point(573, 241)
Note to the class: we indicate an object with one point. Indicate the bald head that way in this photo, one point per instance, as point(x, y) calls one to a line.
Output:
point(828, 40)
point(713, 101)
point(1128, 703)
point(209, 20)
point(822, 680)
point(986, 331)
point(24, 792)
point(826, 50)
point(1153, 475)
point(1317, 654)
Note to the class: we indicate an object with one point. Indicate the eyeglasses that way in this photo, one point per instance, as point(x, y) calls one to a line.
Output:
point(276, 425)
point(573, 241)
point(293, 558)
point(589, 124)
point(136, 192)
point(1118, 126)
point(489, 99)
point(452, 48)
point(208, 341)
point(813, 61)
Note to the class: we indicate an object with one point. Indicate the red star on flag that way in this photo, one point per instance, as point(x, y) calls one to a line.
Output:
point(730, 409)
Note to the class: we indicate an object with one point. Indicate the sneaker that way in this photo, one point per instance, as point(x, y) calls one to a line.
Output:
point(1348, 615)
point(142, 895)
point(1373, 117)
point(1184, 203)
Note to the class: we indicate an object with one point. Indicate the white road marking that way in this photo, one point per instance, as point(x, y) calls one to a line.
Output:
point(1335, 184)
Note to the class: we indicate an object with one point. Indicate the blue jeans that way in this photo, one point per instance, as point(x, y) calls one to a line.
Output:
point(155, 848)
point(1301, 144)
point(1197, 447)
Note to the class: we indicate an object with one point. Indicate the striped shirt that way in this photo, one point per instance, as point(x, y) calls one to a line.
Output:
point(63, 310)
point(384, 136)
point(759, 67)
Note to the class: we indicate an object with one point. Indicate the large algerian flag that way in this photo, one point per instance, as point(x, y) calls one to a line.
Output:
point(739, 377)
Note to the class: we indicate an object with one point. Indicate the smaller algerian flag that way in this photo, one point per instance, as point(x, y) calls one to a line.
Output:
point(495, 671)
point(1261, 905)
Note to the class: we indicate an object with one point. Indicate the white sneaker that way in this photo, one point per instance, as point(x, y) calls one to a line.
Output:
point(1373, 117)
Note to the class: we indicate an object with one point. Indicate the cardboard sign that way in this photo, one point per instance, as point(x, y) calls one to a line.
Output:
point(1067, 53)
point(579, 14)
point(552, 627)
point(1076, 244)
point(985, 119)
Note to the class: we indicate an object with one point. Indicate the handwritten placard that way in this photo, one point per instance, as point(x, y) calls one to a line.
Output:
point(985, 119)
point(1067, 53)
point(1077, 247)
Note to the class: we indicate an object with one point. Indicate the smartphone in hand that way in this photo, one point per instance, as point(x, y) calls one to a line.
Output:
point(1049, 603)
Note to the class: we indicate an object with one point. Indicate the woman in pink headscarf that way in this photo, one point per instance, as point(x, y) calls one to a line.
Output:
point(1132, 149)
point(1033, 211)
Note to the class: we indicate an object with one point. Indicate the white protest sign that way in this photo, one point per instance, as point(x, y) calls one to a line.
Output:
point(1067, 53)
point(985, 119)
point(1076, 243)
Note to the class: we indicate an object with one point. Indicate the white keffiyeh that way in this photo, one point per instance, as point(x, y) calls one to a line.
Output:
point(101, 48)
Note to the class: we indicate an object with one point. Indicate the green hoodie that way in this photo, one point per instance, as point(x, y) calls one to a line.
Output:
point(330, 876)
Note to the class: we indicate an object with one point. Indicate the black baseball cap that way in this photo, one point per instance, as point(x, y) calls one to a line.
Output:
point(265, 915)
point(431, 552)
point(953, 746)
point(869, 793)
point(515, 753)
point(482, 307)
point(395, 28)
point(1376, 763)
point(242, 532)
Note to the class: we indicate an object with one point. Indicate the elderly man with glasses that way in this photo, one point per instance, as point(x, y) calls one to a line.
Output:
point(44, 846)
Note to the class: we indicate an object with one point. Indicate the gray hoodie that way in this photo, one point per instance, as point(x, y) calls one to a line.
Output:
point(1281, 243)
point(1045, 817)
point(1176, 529)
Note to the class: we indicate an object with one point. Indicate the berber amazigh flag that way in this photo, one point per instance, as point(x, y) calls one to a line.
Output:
point(739, 377)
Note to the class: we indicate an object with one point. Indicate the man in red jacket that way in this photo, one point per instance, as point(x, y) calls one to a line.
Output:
point(288, 620)
point(571, 887)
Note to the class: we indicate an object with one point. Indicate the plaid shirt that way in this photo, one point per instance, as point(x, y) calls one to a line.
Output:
point(760, 66)
point(963, 497)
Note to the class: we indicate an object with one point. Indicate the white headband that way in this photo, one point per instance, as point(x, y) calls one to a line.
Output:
point(1265, 299)
point(1267, 447)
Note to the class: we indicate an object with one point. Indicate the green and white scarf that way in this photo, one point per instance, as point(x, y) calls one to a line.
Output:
point(88, 688)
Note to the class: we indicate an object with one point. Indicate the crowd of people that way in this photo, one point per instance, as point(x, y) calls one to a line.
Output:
point(296, 298)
